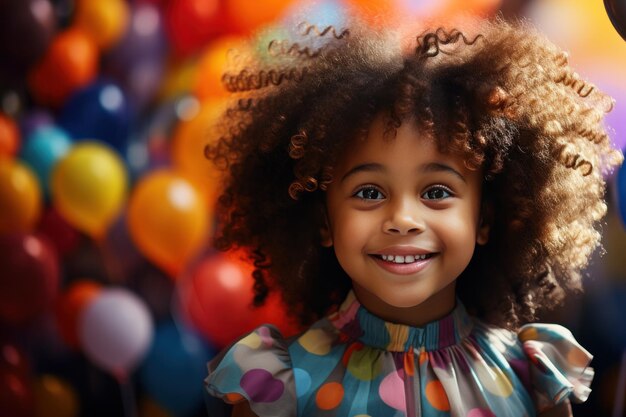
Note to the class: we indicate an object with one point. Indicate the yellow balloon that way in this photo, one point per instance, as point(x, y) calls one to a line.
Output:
point(20, 197)
point(168, 219)
point(190, 138)
point(105, 20)
point(89, 187)
point(54, 397)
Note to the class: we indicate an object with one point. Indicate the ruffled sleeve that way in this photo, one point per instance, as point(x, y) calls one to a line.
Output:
point(256, 369)
point(558, 364)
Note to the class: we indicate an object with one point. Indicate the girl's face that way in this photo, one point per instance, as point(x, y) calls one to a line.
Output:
point(404, 220)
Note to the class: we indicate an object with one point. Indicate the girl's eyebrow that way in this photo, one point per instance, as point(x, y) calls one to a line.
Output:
point(441, 167)
point(368, 167)
point(429, 167)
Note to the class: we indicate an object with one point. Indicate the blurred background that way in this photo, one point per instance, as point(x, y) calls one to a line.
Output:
point(111, 297)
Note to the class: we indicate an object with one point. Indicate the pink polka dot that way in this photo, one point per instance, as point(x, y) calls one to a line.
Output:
point(261, 386)
point(391, 390)
point(480, 412)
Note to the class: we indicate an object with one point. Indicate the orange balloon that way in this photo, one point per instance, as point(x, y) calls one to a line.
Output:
point(54, 397)
point(70, 62)
point(9, 136)
point(180, 76)
point(213, 63)
point(104, 20)
point(168, 220)
point(247, 16)
point(70, 306)
point(190, 138)
point(20, 197)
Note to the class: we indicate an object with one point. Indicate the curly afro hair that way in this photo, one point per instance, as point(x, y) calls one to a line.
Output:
point(499, 94)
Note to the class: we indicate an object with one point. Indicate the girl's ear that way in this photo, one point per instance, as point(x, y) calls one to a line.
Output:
point(484, 223)
point(326, 238)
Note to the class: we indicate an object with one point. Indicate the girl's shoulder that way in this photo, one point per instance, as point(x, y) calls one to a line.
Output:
point(546, 358)
point(262, 367)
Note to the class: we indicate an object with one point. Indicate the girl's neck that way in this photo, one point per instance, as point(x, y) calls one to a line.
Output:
point(432, 309)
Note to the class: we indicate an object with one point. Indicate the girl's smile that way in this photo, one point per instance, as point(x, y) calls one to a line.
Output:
point(403, 219)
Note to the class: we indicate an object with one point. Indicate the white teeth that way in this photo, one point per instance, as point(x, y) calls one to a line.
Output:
point(398, 259)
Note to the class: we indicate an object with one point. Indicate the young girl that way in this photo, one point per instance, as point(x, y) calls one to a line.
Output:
point(417, 202)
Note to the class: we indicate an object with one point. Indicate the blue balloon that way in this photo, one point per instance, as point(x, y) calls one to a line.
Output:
point(99, 111)
point(42, 149)
point(174, 370)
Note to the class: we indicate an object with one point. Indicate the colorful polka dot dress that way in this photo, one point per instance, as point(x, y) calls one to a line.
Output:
point(354, 364)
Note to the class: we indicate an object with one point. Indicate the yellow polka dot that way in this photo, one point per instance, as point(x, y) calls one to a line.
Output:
point(365, 364)
point(398, 335)
point(316, 341)
point(529, 333)
point(436, 396)
point(494, 381)
point(253, 341)
point(329, 396)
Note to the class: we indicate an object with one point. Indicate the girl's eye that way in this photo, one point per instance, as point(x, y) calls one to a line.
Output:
point(437, 193)
point(369, 193)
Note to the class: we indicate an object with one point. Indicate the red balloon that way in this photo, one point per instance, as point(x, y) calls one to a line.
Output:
point(217, 298)
point(190, 24)
point(58, 231)
point(16, 397)
point(29, 281)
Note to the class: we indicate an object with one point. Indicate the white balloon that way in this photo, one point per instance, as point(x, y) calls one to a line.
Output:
point(116, 331)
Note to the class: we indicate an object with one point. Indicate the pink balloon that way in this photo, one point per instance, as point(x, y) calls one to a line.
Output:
point(116, 331)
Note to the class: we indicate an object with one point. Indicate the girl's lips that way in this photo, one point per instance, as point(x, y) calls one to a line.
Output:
point(403, 269)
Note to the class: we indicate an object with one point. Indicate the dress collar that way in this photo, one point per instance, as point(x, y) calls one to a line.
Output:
point(357, 323)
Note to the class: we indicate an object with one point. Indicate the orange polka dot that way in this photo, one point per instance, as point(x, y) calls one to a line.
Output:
point(329, 396)
point(578, 357)
point(409, 363)
point(233, 397)
point(423, 357)
point(437, 396)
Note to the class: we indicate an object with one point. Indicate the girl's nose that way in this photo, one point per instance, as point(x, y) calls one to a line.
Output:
point(404, 218)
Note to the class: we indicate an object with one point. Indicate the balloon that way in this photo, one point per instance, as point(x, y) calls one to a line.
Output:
point(20, 197)
point(71, 61)
point(190, 138)
point(104, 20)
point(212, 64)
point(247, 18)
point(54, 397)
point(168, 220)
point(180, 78)
point(191, 24)
point(217, 298)
point(174, 368)
point(99, 111)
point(13, 358)
point(35, 119)
point(9, 136)
point(54, 227)
point(620, 195)
point(116, 331)
point(42, 149)
point(26, 28)
point(30, 277)
point(16, 397)
point(137, 61)
point(70, 306)
point(89, 187)
point(616, 9)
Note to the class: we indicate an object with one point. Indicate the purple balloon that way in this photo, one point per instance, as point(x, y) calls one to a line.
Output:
point(116, 331)
point(137, 61)
point(616, 119)
point(33, 120)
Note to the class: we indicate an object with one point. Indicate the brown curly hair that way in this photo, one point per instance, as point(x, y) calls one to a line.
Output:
point(499, 94)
